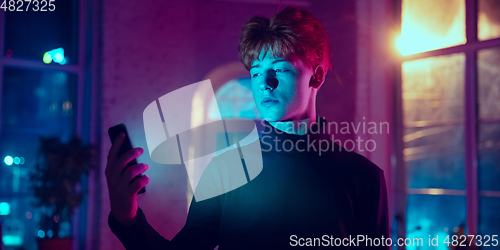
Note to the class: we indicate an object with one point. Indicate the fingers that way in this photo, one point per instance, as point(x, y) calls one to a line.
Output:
point(139, 184)
point(134, 171)
point(122, 160)
point(113, 153)
point(125, 183)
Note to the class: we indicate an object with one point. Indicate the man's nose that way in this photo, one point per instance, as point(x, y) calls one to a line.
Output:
point(270, 82)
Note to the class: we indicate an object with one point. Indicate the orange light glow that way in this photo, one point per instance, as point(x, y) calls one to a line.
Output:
point(431, 24)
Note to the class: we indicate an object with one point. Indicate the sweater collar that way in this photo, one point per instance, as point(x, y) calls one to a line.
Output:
point(275, 140)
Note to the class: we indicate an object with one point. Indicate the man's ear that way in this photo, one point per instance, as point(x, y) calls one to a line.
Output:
point(318, 77)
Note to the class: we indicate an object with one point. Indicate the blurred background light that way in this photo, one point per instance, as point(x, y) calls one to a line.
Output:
point(56, 55)
point(67, 105)
point(4, 208)
point(41, 233)
point(47, 58)
point(12, 240)
point(8, 160)
point(442, 27)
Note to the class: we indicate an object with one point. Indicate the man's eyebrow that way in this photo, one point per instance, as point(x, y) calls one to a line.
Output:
point(278, 60)
point(274, 62)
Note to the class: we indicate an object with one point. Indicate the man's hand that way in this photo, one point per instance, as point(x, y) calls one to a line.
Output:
point(122, 191)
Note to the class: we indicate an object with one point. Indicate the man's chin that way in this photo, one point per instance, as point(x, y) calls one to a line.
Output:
point(274, 114)
point(273, 118)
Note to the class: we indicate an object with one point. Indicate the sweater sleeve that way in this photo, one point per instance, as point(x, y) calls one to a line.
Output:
point(140, 235)
point(201, 230)
point(373, 221)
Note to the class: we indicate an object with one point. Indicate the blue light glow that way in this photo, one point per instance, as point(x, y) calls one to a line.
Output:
point(55, 55)
point(12, 240)
point(41, 233)
point(8, 160)
point(4, 208)
point(58, 57)
point(17, 160)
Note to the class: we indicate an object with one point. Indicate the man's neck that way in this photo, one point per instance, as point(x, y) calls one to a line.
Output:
point(298, 127)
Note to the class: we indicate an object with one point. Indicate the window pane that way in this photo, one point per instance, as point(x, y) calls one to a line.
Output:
point(489, 84)
point(488, 23)
point(34, 100)
point(489, 218)
point(34, 103)
point(434, 215)
point(435, 157)
point(431, 24)
point(29, 34)
point(433, 115)
point(20, 226)
point(489, 122)
point(489, 156)
point(433, 90)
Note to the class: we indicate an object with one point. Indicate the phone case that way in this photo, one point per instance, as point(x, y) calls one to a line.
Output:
point(113, 132)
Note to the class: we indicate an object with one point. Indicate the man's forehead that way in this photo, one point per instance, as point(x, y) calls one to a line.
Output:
point(268, 55)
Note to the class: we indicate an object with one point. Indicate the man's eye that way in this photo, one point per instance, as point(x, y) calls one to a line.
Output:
point(255, 75)
point(281, 70)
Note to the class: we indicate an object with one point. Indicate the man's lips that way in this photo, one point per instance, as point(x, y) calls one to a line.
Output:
point(268, 101)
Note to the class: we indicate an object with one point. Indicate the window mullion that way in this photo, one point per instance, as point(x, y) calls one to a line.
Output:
point(470, 93)
point(400, 180)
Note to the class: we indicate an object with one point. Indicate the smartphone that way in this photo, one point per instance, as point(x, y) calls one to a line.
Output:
point(113, 132)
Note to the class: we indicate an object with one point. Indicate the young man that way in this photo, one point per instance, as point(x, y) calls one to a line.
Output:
point(301, 197)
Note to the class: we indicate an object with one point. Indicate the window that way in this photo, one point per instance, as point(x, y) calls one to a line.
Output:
point(450, 117)
point(42, 92)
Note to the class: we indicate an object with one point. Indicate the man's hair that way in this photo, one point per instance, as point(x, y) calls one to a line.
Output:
point(291, 34)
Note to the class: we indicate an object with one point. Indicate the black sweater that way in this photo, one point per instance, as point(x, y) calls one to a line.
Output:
point(299, 198)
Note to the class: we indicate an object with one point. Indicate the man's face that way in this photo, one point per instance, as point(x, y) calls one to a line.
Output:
point(281, 89)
